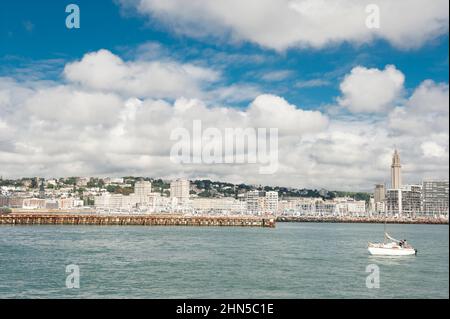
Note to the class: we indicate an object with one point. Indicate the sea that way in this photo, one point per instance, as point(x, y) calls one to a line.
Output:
point(293, 260)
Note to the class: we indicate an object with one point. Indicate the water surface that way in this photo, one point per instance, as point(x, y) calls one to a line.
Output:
point(290, 261)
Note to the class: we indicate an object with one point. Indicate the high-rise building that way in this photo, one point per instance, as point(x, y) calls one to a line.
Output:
point(253, 204)
point(271, 202)
point(142, 191)
point(404, 201)
point(435, 197)
point(396, 171)
point(180, 190)
point(380, 193)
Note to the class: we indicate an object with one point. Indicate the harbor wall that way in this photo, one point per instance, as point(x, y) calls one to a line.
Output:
point(363, 220)
point(128, 220)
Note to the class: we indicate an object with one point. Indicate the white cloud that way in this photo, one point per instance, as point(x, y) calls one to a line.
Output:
point(426, 112)
point(312, 83)
point(282, 24)
point(272, 111)
point(275, 76)
point(233, 93)
point(371, 90)
point(107, 72)
point(432, 149)
point(70, 129)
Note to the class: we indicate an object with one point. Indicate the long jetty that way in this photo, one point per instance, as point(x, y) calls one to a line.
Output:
point(363, 220)
point(130, 220)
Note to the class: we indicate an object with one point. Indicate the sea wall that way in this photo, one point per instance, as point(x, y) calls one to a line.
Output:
point(141, 220)
point(363, 220)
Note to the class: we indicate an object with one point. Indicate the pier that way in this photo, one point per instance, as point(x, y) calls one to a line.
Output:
point(138, 220)
point(363, 220)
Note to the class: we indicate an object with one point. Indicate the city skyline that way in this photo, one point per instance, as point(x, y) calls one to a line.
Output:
point(396, 179)
point(84, 102)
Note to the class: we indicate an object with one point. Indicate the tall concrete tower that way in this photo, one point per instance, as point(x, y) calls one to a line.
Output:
point(396, 171)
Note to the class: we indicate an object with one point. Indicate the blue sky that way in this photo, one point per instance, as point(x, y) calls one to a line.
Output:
point(103, 100)
point(34, 31)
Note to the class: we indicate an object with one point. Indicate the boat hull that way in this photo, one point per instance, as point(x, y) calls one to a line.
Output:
point(378, 251)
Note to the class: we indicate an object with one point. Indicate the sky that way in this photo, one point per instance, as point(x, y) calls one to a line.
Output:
point(104, 99)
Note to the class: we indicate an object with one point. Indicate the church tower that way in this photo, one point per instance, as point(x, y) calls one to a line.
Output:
point(396, 173)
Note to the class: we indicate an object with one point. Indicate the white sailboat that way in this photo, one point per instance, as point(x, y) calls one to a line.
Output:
point(393, 248)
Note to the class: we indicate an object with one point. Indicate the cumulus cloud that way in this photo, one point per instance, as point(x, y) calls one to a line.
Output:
point(432, 149)
point(63, 130)
point(282, 24)
point(79, 128)
point(371, 90)
point(105, 71)
point(426, 111)
point(273, 111)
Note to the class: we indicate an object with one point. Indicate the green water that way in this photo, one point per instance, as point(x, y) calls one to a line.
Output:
point(291, 261)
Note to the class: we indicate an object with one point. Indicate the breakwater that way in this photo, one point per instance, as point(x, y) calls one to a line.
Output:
point(363, 220)
point(138, 220)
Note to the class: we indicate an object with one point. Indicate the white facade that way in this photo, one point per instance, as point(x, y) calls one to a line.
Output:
point(435, 197)
point(142, 191)
point(116, 202)
point(253, 203)
point(218, 204)
point(180, 189)
point(271, 202)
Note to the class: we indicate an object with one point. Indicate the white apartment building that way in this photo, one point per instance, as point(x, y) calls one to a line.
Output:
point(179, 189)
point(404, 201)
point(435, 197)
point(253, 202)
point(116, 202)
point(351, 207)
point(142, 191)
point(226, 204)
point(271, 202)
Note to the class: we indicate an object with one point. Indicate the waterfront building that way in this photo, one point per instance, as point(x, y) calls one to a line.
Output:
point(271, 202)
point(226, 204)
point(352, 207)
point(396, 174)
point(33, 203)
point(379, 198)
point(380, 207)
point(180, 189)
point(115, 202)
point(380, 193)
point(142, 191)
point(326, 207)
point(435, 198)
point(51, 204)
point(404, 201)
point(253, 202)
point(12, 202)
